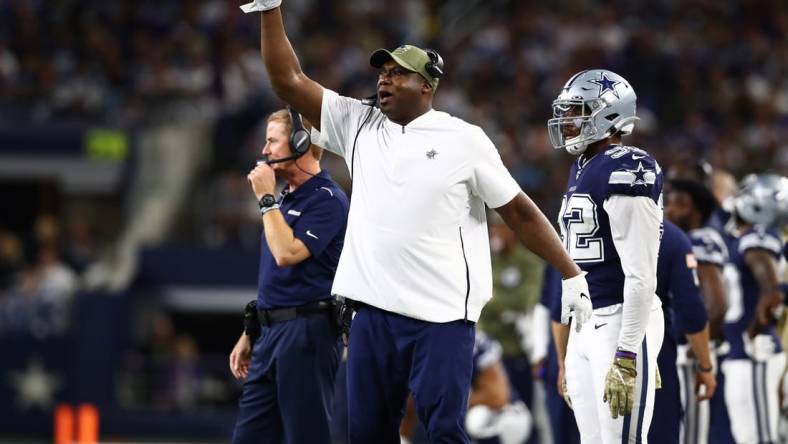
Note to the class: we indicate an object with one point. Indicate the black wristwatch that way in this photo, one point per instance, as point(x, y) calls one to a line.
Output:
point(267, 202)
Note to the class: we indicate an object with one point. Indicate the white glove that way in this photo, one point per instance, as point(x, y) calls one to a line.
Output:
point(576, 300)
point(760, 348)
point(260, 5)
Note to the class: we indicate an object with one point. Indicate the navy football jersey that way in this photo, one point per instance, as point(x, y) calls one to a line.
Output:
point(743, 290)
point(584, 223)
point(486, 352)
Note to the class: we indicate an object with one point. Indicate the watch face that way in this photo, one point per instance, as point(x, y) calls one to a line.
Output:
point(267, 200)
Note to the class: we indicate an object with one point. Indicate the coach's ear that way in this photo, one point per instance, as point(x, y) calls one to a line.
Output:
point(426, 88)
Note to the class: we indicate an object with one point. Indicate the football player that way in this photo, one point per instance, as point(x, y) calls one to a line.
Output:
point(690, 205)
point(610, 222)
point(685, 317)
point(756, 360)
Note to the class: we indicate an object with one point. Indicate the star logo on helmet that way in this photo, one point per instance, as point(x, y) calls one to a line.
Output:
point(606, 84)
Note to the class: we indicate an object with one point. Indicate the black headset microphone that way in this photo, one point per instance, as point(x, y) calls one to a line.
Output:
point(299, 140)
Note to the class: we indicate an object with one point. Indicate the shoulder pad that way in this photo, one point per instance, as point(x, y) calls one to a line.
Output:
point(633, 172)
point(708, 246)
point(761, 237)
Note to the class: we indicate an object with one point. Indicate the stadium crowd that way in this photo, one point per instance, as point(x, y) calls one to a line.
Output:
point(711, 76)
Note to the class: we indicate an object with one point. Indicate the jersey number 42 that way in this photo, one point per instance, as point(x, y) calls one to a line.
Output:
point(579, 226)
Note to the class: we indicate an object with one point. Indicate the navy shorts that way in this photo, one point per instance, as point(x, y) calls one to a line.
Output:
point(390, 355)
point(288, 394)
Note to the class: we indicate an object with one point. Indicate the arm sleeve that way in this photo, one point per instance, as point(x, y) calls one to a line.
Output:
point(490, 179)
point(540, 337)
point(635, 228)
point(687, 301)
point(340, 118)
point(320, 223)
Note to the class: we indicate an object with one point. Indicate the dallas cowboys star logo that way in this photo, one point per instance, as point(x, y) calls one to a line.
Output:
point(640, 175)
point(606, 84)
point(431, 154)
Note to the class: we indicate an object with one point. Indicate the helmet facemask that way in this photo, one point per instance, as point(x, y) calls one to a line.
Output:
point(575, 115)
point(592, 106)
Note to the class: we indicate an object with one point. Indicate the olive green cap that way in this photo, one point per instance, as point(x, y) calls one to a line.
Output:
point(409, 57)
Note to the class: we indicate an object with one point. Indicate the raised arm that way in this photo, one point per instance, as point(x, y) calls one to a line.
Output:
point(287, 79)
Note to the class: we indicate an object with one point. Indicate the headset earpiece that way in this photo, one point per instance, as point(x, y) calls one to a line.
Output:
point(299, 137)
point(435, 66)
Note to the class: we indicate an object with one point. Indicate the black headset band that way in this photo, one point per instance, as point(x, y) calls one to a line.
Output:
point(299, 136)
point(435, 66)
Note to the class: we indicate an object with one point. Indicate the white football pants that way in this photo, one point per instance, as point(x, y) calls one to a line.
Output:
point(589, 356)
point(751, 395)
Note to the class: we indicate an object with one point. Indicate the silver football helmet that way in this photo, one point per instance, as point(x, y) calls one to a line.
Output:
point(763, 199)
point(594, 104)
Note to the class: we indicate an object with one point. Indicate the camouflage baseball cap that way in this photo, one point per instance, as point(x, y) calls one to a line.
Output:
point(409, 57)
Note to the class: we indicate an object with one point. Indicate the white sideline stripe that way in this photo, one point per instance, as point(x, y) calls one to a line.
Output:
point(208, 299)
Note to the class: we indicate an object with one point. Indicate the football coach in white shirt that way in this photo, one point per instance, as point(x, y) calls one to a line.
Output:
point(416, 257)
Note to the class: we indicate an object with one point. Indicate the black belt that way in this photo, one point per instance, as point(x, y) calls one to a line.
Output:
point(276, 315)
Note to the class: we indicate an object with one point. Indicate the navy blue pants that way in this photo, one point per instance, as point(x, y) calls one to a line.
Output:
point(666, 422)
point(562, 419)
point(389, 355)
point(288, 394)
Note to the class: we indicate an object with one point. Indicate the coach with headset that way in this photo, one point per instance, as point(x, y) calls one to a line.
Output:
point(289, 373)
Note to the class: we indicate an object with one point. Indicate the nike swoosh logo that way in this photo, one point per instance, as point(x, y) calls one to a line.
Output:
point(598, 326)
point(583, 295)
point(636, 157)
point(309, 233)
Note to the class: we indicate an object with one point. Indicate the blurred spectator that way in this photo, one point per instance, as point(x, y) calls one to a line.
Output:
point(712, 78)
point(184, 373)
point(80, 243)
point(232, 218)
point(12, 260)
point(49, 278)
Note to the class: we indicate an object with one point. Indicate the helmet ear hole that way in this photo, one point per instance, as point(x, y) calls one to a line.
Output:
point(612, 117)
